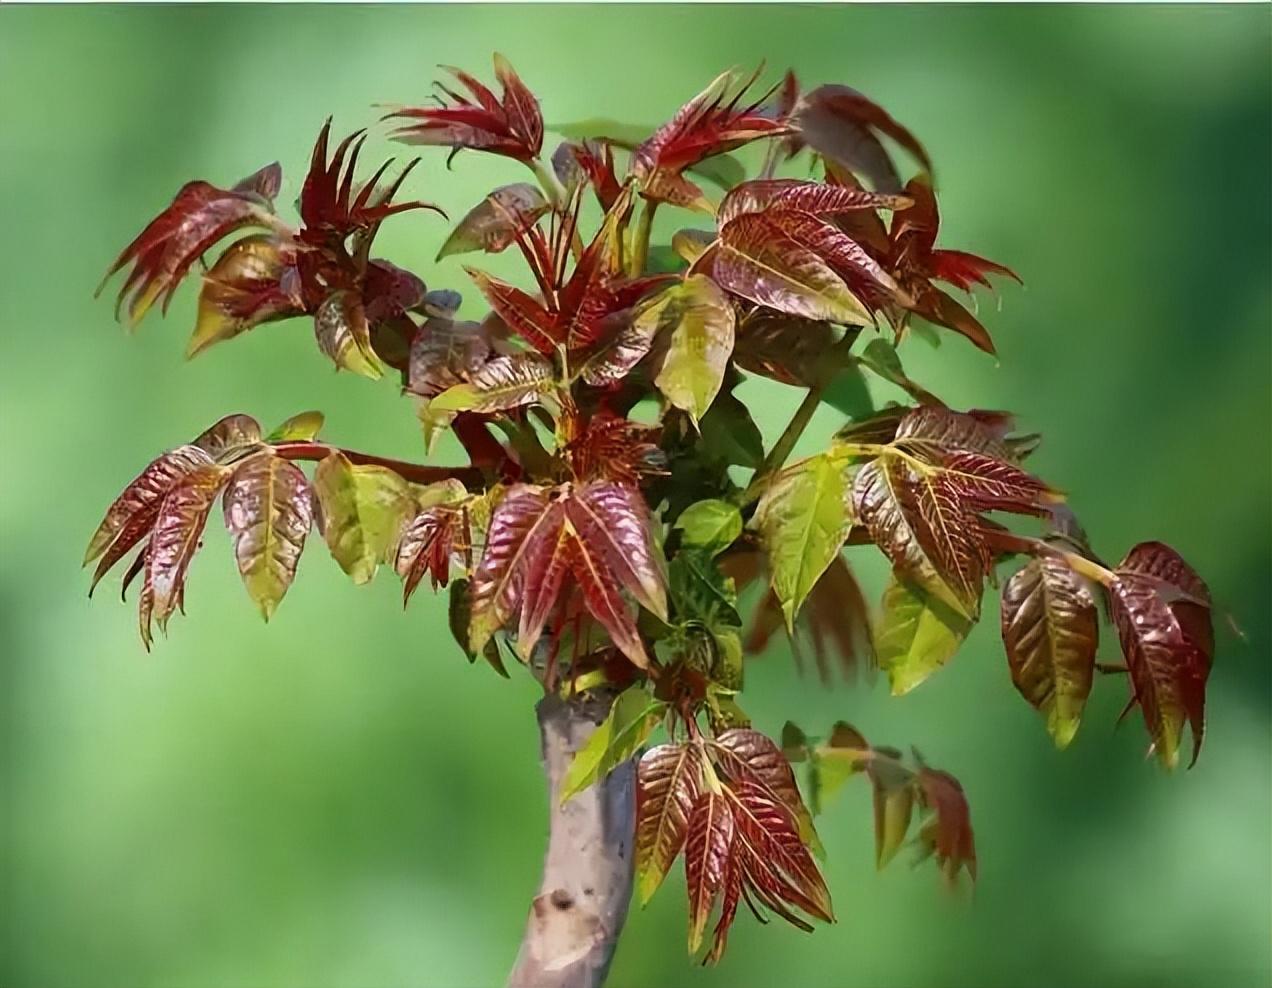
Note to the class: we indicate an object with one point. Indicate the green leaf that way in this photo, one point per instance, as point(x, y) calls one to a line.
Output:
point(729, 434)
point(699, 319)
point(361, 511)
point(631, 720)
point(713, 525)
point(916, 635)
point(298, 428)
point(803, 520)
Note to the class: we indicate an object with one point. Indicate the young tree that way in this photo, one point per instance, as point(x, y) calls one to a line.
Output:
point(607, 550)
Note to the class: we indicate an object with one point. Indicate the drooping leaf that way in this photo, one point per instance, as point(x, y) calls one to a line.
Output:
point(445, 353)
point(253, 282)
point(1050, 631)
point(622, 342)
point(134, 510)
point(746, 755)
point(361, 511)
point(497, 220)
point(948, 832)
point(669, 779)
point(698, 321)
point(268, 512)
point(785, 348)
point(803, 521)
point(344, 335)
point(631, 720)
point(175, 539)
point(1161, 608)
point(199, 216)
point(707, 850)
point(916, 635)
point(758, 261)
point(425, 546)
point(842, 125)
point(613, 522)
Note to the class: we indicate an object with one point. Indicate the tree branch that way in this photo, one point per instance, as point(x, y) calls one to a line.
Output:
point(578, 914)
point(417, 473)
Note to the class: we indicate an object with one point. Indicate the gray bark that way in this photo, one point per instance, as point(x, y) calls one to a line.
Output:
point(578, 914)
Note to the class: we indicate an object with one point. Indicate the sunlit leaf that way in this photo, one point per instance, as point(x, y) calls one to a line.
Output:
point(253, 282)
point(712, 525)
point(803, 520)
point(301, 427)
point(758, 261)
point(175, 538)
point(268, 512)
point(816, 198)
point(500, 384)
point(707, 849)
point(669, 778)
point(746, 755)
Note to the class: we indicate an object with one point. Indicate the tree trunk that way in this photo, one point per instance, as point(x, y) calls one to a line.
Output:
point(576, 918)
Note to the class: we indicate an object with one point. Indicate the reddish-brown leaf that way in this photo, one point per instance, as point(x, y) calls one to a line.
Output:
point(175, 539)
point(708, 846)
point(1050, 631)
point(254, 281)
point(948, 833)
point(600, 589)
point(229, 437)
point(816, 198)
point(842, 125)
point(990, 484)
point(522, 313)
point(132, 514)
point(199, 216)
point(613, 520)
point(521, 518)
point(425, 547)
point(713, 122)
point(496, 221)
point(329, 206)
point(746, 755)
point(1162, 611)
point(445, 353)
point(668, 781)
point(510, 126)
point(344, 334)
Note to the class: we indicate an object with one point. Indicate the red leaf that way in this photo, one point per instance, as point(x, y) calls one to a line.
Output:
point(511, 126)
point(711, 123)
point(613, 521)
point(746, 755)
point(817, 198)
point(199, 216)
point(328, 205)
point(963, 270)
point(425, 547)
point(522, 313)
point(707, 850)
point(990, 484)
point(254, 281)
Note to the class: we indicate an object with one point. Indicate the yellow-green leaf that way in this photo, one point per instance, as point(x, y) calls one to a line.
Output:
point(299, 428)
point(803, 521)
point(361, 511)
point(712, 525)
point(631, 720)
point(699, 321)
point(916, 635)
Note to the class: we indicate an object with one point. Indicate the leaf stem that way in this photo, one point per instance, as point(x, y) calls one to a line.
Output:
point(416, 473)
point(1011, 542)
point(548, 182)
point(640, 241)
point(781, 450)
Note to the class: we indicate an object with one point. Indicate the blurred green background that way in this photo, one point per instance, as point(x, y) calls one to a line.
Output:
point(339, 799)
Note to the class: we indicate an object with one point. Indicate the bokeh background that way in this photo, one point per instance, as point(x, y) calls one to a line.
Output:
point(339, 800)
